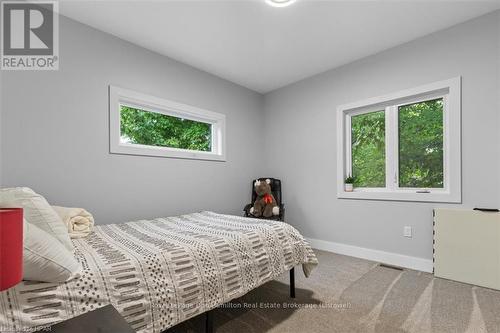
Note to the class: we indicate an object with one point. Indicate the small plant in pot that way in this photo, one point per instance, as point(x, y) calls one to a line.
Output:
point(349, 184)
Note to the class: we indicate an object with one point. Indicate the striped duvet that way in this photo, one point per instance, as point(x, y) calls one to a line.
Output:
point(161, 272)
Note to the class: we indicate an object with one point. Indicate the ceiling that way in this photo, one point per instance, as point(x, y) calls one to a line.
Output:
point(262, 47)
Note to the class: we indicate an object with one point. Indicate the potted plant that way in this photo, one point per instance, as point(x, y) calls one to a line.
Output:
point(349, 184)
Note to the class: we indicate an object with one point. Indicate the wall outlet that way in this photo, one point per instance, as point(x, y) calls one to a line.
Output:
point(407, 232)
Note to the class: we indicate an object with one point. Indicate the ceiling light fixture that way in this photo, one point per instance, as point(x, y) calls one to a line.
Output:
point(279, 3)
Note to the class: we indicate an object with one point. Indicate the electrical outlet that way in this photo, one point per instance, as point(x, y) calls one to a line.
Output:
point(407, 232)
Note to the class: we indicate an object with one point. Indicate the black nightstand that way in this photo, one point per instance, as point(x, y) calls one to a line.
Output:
point(102, 320)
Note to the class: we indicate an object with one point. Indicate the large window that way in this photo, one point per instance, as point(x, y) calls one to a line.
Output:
point(404, 146)
point(146, 125)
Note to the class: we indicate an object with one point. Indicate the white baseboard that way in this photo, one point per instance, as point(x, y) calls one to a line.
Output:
point(394, 259)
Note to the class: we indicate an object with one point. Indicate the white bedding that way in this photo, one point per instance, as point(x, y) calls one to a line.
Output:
point(161, 272)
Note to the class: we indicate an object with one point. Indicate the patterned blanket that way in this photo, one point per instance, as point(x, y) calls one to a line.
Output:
point(161, 272)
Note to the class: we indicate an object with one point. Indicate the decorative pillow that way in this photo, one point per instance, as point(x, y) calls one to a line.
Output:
point(37, 211)
point(45, 259)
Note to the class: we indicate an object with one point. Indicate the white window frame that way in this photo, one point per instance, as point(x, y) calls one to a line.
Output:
point(120, 96)
point(450, 91)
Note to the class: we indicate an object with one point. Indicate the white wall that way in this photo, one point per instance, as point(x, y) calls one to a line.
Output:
point(54, 132)
point(301, 138)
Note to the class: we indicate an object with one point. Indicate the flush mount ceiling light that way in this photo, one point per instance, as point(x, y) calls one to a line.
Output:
point(279, 3)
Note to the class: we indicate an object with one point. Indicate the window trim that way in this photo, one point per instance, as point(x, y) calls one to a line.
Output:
point(120, 96)
point(450, 90)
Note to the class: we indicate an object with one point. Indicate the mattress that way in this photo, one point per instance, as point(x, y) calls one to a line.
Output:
point(160, 272)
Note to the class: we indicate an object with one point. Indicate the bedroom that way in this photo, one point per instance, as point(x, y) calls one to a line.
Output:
point(281, 89)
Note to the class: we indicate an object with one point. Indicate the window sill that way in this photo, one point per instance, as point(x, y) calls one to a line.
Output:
point(140, 150)
point(372, 194)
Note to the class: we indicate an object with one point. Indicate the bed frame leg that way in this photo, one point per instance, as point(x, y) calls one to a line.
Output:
point(209, 321)
point(292, 282)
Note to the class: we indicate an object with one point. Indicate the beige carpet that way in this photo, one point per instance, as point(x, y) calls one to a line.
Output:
point(346, 294)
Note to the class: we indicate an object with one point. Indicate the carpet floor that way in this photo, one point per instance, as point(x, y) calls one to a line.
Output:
point(346, 294)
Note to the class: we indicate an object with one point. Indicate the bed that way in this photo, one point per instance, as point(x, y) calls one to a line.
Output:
point(161, 272)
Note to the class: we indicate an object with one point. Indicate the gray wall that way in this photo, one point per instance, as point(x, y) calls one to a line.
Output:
point(301, 137)
point(498, 94)
point(54, 132)
point(1, 118)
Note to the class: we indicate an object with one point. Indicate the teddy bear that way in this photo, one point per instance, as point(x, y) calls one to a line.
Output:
point(265, 204)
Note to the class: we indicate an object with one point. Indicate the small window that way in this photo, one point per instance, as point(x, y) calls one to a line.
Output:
point(147, 128)
point(404, 146)
point(146, 125)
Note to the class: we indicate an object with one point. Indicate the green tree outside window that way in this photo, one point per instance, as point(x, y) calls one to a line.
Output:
point(368, 149)
point(421, 145)
point(421, 139)
point(157, 129)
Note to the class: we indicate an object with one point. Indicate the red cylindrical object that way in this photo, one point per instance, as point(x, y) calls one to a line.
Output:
point(11, 247)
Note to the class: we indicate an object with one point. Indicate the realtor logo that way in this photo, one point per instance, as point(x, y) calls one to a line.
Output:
point(30, 35)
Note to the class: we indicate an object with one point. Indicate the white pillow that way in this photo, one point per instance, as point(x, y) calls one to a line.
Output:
point(45, 259)
point(37, 211)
